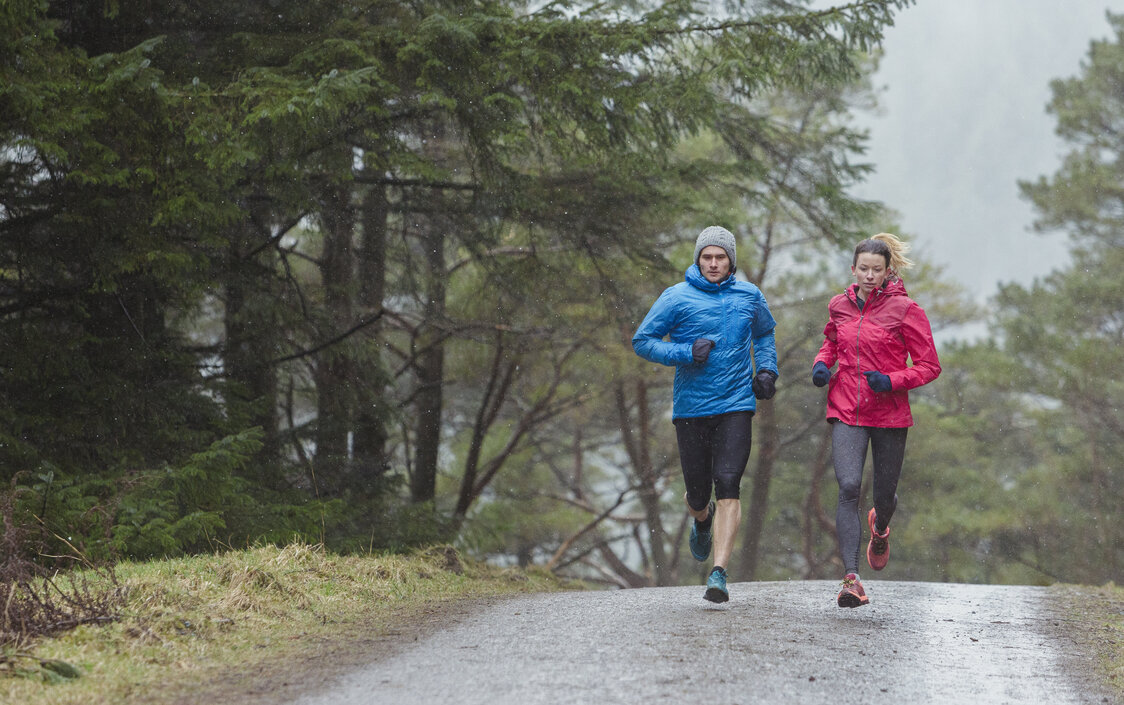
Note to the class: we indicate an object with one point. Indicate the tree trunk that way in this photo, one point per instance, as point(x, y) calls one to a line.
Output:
point(768, 439)
point(816, 520)
point(371, 414)
point(333, 365)
point(431, 366)
point(250, 345)
point(638, 446)
point(495, 393)
point(125, 338)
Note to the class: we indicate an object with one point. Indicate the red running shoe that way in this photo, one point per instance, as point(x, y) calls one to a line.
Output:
point(878, 550)
point(852, 594)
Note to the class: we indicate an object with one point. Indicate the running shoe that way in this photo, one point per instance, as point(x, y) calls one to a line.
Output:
point(878, 550)
point(852, 594)
point(716, 586)
point(700, 540)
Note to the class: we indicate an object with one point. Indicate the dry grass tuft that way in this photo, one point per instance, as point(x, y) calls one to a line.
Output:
point(37, 603)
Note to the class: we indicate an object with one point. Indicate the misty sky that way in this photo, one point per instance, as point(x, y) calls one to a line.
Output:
point(963, 118)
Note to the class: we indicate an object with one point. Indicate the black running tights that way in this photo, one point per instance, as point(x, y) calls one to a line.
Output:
point(713, 451)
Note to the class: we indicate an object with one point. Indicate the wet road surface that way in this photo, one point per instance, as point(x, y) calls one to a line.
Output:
point(776, 642)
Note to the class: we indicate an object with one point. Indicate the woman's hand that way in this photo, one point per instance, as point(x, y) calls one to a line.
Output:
point(821, 375)
point(878, 381)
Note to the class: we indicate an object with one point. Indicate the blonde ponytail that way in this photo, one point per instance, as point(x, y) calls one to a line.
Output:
point(898, 249)
point(890, 247)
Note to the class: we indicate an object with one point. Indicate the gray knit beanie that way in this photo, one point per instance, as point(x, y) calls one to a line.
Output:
point(717, 235)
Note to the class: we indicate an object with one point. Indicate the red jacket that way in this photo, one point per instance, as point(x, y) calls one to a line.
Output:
point(877, 337)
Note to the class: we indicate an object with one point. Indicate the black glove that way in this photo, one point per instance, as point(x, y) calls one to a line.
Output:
point(878, 381)
point(765, 384)
point(820, 374)
point(700, 349)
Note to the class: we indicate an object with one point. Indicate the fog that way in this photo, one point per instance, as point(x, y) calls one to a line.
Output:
point(963, 118)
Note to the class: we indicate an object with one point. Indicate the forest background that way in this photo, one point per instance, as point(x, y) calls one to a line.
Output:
point(366, 273)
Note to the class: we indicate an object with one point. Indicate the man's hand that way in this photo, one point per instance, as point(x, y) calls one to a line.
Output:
point(765, 384)
point(700, 349)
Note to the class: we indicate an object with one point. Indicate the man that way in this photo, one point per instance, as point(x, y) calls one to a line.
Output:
point(720, 341)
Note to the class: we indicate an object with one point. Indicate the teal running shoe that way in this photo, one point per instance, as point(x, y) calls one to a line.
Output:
point(700, 540)
point(716, 586)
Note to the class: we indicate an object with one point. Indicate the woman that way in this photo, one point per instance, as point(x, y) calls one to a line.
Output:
point(872, 327)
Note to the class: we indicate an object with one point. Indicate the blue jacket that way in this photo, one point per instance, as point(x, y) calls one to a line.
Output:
point(735, 315)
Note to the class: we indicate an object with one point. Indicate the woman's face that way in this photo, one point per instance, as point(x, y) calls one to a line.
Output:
point(869, 272)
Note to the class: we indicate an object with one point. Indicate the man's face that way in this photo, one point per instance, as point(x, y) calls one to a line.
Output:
point(714, 264)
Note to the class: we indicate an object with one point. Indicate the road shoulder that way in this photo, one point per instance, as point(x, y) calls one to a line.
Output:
point(1088, 624)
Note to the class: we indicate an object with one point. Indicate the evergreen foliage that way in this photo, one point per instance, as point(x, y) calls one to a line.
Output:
point(1064, 334)
point(365, 274)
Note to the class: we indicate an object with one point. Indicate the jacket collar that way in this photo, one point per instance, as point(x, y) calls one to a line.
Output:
point(696, 279)
point(891, 287)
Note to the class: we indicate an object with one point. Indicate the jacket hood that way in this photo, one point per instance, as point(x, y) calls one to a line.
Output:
point(695, 278)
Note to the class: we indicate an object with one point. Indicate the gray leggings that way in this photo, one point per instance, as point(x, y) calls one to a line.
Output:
point(848, 453)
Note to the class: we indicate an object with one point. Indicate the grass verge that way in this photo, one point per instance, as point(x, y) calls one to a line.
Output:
point(1095, 620)
point(257, 625)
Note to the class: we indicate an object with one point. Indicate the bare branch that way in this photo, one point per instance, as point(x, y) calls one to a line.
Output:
point(590, 526)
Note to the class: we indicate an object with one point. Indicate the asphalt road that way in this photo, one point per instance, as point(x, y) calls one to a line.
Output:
point(778, 642)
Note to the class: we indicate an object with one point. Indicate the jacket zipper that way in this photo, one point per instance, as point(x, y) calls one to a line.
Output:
point(858, 366)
